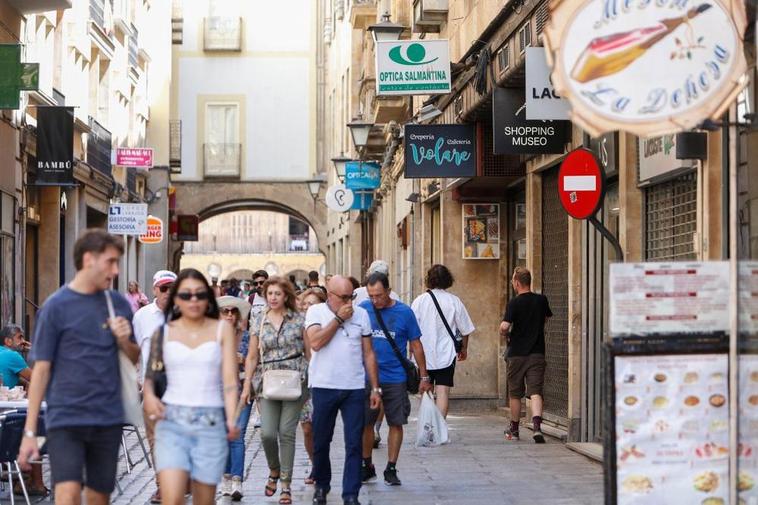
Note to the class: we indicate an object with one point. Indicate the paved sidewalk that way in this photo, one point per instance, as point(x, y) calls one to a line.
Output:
point(477, 467)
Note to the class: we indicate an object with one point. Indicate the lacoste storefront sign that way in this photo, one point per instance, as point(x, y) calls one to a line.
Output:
point(412, 67)
point(648, 67)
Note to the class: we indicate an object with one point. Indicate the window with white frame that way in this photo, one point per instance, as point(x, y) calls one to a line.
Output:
point(222, 145)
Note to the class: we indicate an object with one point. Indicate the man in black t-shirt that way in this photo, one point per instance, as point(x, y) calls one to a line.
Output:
point(524, 328)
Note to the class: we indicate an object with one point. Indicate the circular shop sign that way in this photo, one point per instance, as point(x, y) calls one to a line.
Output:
point(581, 184)
point(339, 198)
point(648, 67)
point(154, 233)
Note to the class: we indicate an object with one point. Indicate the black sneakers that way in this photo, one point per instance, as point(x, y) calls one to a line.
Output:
point(538, 437)
point(368, 473)
point(390, 477)
point(319, 497)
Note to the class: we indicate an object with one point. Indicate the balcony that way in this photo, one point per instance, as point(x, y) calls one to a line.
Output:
point(99, 146)
point(222, 33)
point(429, 15)
point(175, 145)
point(97, 12)
point(363, 14)
point(222, 160)
point(25, 7)
point(133, 46)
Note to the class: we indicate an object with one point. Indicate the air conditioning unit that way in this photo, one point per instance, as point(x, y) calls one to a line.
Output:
point(429, 15)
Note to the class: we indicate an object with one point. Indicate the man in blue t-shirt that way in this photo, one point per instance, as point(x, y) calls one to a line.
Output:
point(13, 367)
point(76, 368)
point(400, 322)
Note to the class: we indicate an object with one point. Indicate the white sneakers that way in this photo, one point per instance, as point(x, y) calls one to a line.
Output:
point(226, 485)
point(236, 491)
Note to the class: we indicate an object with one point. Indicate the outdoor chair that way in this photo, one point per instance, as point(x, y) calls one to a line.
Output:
point(11, 433)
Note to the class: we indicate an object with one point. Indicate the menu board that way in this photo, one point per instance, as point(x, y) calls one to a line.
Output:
point(672, 429)
point(748, 429)
point(673, 298)
point(748, 298)
point(481, 231)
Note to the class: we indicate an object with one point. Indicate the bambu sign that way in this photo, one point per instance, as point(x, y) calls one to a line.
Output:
point(55, 146)
point(648, 67)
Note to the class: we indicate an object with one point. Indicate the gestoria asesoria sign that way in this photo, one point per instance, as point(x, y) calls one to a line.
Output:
point(648, 67)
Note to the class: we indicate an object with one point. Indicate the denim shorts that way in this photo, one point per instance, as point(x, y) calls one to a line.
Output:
point(192, 439)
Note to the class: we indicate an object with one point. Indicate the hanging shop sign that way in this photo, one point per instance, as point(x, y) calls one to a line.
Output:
point(187, 227)
point(339, 198)
point(658, 160)
point(669, 298)
point(55, 146)
point(154, 234)
point(412, 67)
point(135, 157)
point(514, 134)
point(481, 231)
point(581, 184)
point(433, 151)
point(542, 102)
point(645, 67)
point(363, 200)
point(606, 151)
point(362, 175)
point(127, 218)
point(16, 76)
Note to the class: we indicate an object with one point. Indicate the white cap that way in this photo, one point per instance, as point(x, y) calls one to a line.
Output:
point(163, 277)
point(379, 266)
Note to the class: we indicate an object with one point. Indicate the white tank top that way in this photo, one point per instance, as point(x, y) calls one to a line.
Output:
point(194, 374)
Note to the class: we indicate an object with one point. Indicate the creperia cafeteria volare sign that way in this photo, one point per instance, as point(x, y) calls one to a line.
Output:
point(648, 67)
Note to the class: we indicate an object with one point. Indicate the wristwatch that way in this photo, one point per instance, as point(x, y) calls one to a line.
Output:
point(426, 378)
point(377, 391)
point(30, 434)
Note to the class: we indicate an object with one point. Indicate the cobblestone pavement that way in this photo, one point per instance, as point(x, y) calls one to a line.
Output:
point(477, 467)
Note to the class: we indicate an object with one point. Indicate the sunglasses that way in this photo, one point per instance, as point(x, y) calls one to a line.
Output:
point(164, 288)
point(187, 296)
point(259, 283)
point(229, 310)
point(344, 298)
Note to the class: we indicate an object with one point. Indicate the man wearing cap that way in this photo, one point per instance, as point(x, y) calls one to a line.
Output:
point(146, 321)
point(378, 266)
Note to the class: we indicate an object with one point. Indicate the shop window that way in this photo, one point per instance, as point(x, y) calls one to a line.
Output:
point(671, 219)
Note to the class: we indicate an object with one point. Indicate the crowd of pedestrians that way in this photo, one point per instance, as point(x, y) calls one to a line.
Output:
point(211, 355)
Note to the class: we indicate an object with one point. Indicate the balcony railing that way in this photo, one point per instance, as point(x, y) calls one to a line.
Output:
point(99, 146)
point(133, 46)
point(97, 12)
point(223, 33)
point(222, 160)
point(175, 145)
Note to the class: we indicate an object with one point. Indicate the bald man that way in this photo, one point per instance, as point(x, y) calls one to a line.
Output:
point(342, 358)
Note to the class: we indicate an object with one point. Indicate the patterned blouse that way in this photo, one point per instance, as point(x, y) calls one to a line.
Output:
point(283, 349)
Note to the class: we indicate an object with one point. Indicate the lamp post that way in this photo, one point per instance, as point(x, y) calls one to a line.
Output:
point(314, 185)
point(386, 29)
point(359, 131)
point(340, 164)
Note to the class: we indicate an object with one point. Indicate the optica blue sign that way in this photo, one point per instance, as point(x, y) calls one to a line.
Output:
point(362, 175)
point(362, 200)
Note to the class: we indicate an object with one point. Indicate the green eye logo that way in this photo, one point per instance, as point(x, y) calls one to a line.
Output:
point(415, 55)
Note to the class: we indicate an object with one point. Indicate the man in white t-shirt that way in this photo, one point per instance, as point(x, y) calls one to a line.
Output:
point(342, 361)
point(145, 322)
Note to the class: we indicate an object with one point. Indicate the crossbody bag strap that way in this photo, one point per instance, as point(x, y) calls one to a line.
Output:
point(260, 337)
point(403, 359)
point(442, 316)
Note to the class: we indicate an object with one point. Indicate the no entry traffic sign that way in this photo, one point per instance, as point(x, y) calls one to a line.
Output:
point(581, 184)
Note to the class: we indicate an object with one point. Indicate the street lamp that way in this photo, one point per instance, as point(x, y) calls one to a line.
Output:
point(340, 164)
point(359, 130)
point(386, 30)
point(314, 185)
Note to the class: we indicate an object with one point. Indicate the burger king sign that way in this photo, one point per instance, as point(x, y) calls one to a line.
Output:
point(154, 233)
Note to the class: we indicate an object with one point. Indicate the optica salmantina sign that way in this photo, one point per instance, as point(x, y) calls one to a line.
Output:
point(154, 233)
point(412, 67)
point(646, 67)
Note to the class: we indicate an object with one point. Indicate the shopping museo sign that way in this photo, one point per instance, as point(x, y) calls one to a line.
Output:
point(646, 67)
point(412, 67)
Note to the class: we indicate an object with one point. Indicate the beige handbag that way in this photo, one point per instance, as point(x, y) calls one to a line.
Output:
point(282, 385)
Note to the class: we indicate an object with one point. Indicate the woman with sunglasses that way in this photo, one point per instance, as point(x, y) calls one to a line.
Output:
point(235, 311)
point(196, 415)
point(277, 343)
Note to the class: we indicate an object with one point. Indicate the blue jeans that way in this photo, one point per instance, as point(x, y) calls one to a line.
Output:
point(351, 403)
point(235, 463)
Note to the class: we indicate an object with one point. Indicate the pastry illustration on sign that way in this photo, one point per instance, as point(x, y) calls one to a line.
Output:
point(706, 482)
point(611, 54)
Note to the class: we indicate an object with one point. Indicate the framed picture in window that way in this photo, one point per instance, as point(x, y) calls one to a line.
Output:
point(481, 231)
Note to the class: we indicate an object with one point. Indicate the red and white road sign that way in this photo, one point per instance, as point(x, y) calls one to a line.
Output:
point(581, 184)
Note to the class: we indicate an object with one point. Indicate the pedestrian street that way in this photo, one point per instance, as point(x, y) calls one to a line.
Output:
point(478, 467)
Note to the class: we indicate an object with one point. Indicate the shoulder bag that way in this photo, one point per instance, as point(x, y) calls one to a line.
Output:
point(457, 337)
point(283, 385)
point(129, 392)
point(156, 370)
point(413, 377)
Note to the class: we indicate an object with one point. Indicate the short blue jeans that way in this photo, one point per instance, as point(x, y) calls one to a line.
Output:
point(235, 463)
point(192, 439)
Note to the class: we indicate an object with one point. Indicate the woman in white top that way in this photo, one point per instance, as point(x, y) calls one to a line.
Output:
point(196, 414)
point(439, 344)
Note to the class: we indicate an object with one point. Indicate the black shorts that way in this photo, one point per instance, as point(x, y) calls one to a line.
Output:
point(442, 376)
point(397, 405)
point(85, 454)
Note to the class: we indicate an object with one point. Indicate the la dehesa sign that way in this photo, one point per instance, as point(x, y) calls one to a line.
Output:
point(648, 67)
point(154, 233)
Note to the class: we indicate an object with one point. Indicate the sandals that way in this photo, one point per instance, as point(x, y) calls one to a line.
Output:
point(285, 497)
point(270, 489)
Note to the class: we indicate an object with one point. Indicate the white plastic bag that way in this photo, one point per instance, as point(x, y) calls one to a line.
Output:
point(432, 428)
